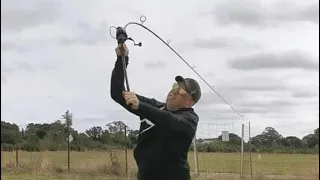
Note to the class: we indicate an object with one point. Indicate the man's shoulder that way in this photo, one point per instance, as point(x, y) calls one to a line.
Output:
point(190, 120)
point(189, 114)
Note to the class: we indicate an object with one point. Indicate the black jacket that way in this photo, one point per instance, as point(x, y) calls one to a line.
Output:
point(164, 136)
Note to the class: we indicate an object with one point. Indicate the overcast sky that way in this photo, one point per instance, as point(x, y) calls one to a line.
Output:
point(261, 56)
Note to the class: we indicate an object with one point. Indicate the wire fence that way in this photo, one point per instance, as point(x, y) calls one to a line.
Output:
point(113, 161)
point(212, 156)
point(222, 148)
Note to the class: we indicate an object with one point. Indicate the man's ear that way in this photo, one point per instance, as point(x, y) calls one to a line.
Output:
point(190, 103)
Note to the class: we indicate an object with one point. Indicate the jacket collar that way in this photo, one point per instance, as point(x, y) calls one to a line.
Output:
point(181, 109)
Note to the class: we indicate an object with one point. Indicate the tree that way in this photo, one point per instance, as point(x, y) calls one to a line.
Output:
point(116, 127)
point(257, 140)
point(116, 130)
point(133, 137)
point(271, 137)
point(67, 116)
point(95, 133)
point(10, 133)
point(316, 132)
point(310, 140)
point(292, 142)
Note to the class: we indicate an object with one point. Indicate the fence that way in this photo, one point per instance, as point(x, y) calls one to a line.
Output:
point(111, 161)
point(212, 155)
point(239, 161)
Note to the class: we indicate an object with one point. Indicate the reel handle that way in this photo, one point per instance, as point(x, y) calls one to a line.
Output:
point(121, 35)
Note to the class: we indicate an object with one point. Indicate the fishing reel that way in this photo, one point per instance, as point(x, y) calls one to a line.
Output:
point(122, 37)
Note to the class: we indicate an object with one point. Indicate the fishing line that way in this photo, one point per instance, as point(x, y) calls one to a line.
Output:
point(122, 36)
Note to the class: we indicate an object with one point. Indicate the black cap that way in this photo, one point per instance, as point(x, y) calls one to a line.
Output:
point(192, 87)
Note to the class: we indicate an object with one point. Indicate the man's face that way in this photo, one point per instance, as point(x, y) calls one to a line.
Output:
point(178, 97)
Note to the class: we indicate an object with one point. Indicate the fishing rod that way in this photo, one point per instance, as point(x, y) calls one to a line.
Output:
point(122, 36)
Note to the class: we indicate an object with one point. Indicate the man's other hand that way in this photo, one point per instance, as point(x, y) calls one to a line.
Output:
point(131, 99)
point(119, 50)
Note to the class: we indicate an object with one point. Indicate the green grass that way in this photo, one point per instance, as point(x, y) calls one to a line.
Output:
point(97, 165)
point(277, 164)
point(16, 175)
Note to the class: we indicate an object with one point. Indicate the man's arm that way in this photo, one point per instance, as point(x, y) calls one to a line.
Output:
point(117, 87)
point(182, 122)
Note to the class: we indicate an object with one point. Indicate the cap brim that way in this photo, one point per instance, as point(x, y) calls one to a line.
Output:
point(179, 79)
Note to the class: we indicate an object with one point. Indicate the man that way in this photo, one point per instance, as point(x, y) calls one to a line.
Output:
point(166, 129)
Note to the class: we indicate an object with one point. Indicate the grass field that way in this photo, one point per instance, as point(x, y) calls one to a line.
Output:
point(97, 165)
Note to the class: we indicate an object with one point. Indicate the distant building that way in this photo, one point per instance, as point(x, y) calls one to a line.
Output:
point(205, 141)
point(208, 141)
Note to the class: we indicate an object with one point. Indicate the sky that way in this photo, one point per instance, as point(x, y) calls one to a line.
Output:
point(261, 55)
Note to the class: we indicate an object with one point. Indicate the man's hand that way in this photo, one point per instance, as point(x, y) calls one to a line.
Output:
point(131, 99)
point(120, 48)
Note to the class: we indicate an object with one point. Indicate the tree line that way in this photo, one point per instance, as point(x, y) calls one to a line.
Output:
point(269, 141)
point(53, 137)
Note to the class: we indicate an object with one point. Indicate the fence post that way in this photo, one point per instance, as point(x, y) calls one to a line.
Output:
point(242, 144)
point(196, 164)
point(250, 149)
point(17, 157)
point(2, 157)
point(125, 149)
point(68, 139)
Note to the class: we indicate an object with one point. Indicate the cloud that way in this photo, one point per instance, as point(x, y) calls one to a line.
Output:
point(312, 92)
point(17, 68)
point(264, 106)
point(89, 34)
point(11, 46)
point(273, 115)
point(3, 79)
point(207, 115)
point(224, 43)
point(51, 97)
point(61, 55)
point(154, 64)
point(304, 94)
point(25, 66)
point(5, 72)
point(242, 87)
point(17, 15)
point(260, 83)
point(255, 104)
point(260, 95)
point(311, 13)
point(262, 13)
point(275, 60)
point(83, 33)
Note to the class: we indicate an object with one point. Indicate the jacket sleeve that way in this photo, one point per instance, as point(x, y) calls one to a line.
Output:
point(182, 122)
point(117, 87)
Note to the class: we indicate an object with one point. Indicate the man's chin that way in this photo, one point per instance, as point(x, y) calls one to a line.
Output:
point(169, 101)
point(168, 105)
